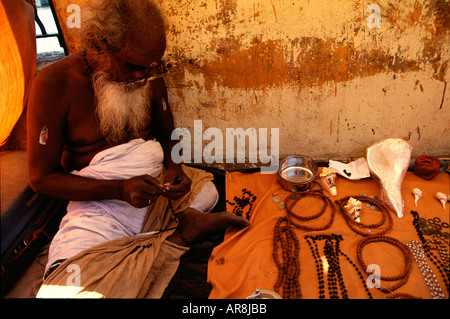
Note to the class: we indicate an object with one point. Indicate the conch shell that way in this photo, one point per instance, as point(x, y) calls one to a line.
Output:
point(442, 198)
point(353, 208)
point(327, 179)
point(417, 195)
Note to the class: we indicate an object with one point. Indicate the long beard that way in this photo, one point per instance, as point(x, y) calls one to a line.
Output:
point(122, 110)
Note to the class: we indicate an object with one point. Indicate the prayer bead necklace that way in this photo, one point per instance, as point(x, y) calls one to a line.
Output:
point(292, 200)
point(444, 271)
point(247, 200)
point(401, 296)
point(289, 265)
point(427, 273)
point(403, 276)
point(332, 252)
point(285, 237)
point(354, 225)
point(441, 245)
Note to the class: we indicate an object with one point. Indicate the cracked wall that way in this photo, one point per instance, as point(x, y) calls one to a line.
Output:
point(314, 69)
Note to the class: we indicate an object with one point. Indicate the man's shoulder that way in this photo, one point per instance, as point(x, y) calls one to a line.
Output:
point(61, 73)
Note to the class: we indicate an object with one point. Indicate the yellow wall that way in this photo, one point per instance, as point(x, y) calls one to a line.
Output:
point(312, 68)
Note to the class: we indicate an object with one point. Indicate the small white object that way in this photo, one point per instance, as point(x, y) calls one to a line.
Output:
point(417, 195)
point(442, 198)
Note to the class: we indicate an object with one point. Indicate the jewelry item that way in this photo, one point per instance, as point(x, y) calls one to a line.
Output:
point(425, 269)
point(355, 226)
point(403, 276)
point(246, 201)
point(442, 268)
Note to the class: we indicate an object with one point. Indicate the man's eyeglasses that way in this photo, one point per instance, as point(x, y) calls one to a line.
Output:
point(152, 73)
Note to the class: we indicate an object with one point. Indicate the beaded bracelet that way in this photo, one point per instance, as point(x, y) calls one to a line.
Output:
point(354, 224)
point(403, 277)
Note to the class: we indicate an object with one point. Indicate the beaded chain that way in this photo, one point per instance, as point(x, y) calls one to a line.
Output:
point(332, 253)
point(180, 231)
point(292, 200)
point(425, 269)
point(285, 237)
point(247, 199)
point(354, 225)
point(441, 245)
point(401, 296)
point(334, 274)
point(403, 277)
point(441, 266)
point(289, 267)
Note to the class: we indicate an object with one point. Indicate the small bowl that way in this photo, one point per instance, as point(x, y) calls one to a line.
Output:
point(296, 173)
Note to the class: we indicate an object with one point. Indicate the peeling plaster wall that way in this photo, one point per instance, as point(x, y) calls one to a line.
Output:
point(315, 70)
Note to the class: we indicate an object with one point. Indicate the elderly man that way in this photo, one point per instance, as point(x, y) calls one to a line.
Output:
point(99, 128)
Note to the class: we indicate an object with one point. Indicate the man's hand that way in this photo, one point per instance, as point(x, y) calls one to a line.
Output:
point(140, 191)
point(177, 183)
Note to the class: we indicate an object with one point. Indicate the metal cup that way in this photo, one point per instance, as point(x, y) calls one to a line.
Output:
point(296, 173)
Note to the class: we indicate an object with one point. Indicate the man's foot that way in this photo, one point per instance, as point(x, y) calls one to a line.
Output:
point(194, 225)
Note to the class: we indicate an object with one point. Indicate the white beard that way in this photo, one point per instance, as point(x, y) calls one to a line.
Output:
point(122, 109)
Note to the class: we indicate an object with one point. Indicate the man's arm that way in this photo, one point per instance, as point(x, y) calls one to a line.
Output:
point(47, 120)
point(177, 183)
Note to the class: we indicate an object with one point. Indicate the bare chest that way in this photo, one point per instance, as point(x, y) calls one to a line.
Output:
point(83, 137)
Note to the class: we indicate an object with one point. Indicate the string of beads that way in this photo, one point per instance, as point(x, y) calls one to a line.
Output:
point(356, 226)
point(443, 270)
point(292, 200)
point(425, 269)
point(246, 201)
point(289, 265)
point(403, 276)
point(286, 240)
point(332, 251)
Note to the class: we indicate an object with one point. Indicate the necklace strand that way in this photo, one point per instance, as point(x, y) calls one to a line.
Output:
point(403, 276)
point(355, 226)
point(427, 273)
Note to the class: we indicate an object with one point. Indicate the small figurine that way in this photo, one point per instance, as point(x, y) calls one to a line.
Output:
point(442, 198)
point(353, 208)
point(327, 179)
point(417, 195)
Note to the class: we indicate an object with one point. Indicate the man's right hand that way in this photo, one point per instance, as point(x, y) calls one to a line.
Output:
point(140, 191)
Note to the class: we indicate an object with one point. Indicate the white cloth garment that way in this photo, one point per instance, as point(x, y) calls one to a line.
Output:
point(88, 223)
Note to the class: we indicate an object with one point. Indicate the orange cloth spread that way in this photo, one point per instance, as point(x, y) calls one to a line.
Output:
point(244, 262)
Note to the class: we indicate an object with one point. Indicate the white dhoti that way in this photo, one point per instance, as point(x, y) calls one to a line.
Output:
point(88, 223)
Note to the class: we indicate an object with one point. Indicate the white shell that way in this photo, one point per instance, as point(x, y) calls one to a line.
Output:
point(417, 195)
point(353, 208)
point(327, 179)
point(442, 198)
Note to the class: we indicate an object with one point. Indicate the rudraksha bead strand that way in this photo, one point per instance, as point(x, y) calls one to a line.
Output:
point(354, 225)
point(403, 276)
point(292, 200)
point(289, 267)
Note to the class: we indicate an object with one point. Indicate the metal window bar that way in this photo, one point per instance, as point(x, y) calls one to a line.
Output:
point(58, 35)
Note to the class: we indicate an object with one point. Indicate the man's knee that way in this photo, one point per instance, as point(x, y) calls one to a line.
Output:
point(206, 199)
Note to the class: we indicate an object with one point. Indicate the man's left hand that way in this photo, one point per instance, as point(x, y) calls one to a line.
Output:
point(177, 183)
